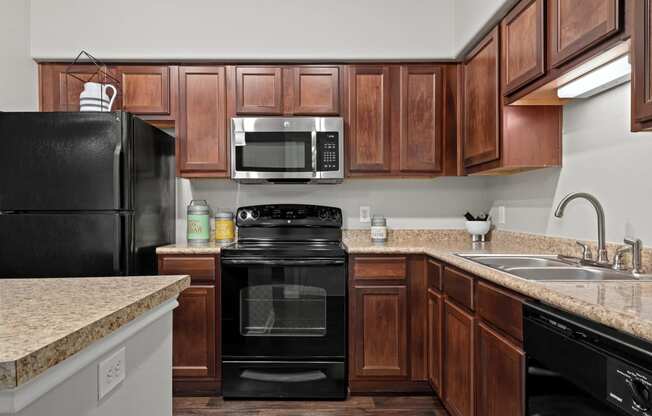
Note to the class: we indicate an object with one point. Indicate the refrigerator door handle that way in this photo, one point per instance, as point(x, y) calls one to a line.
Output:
point(117, 242)
point(117, 194)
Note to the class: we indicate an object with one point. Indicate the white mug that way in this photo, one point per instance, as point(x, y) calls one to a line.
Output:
point(94, 97)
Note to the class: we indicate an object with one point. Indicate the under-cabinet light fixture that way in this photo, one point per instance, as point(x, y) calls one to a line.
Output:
point(601, 79)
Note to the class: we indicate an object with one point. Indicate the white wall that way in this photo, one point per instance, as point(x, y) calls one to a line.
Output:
point(414, 203)
point(471, 17)
point(601, 157)
point(243, 29)
point(17, 69)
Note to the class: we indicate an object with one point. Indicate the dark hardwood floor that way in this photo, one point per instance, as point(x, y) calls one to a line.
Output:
point(354, 406)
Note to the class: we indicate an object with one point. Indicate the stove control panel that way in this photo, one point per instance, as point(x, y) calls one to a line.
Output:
point(285, 215)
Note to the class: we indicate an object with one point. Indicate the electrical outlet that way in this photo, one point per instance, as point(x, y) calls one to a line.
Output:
point(112, 371)
point(502, 214)
point(365, 214)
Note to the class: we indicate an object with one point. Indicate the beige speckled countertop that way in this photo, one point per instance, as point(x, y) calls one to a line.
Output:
point(45, 321)
point(626, 306)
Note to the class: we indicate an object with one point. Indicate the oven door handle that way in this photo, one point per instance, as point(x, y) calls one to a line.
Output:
point(277, 262)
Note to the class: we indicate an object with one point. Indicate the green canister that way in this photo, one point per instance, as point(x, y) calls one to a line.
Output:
point(199, 224)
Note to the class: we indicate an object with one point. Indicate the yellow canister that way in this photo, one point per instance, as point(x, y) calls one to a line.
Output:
point(224, 227)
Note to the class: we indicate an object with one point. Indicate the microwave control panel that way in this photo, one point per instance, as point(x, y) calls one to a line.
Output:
point(328, 152)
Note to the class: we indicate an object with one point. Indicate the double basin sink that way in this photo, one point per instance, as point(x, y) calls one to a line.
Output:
point(548, 268)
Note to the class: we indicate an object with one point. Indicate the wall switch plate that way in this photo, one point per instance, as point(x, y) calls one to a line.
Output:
point(365, 214)
point(502, 214)
point(112, 371)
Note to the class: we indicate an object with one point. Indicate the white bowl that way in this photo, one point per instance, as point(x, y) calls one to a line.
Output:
point(478, 227)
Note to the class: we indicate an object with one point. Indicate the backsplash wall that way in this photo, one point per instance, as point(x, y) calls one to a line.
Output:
point(601, 156)
point(407, 203)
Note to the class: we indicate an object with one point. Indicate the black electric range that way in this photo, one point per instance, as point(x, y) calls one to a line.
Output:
point(284, 304)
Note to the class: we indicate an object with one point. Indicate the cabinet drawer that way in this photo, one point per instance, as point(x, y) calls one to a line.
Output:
point(200, 268)
point(501, 309)
point(459, 286)
point(380, 268)
point(435, 271)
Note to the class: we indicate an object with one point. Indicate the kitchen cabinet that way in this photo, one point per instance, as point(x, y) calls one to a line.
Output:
point(641, 50)
point(380, 327)
point(523, 47)
point(421, 118)
point(435, 326)
point(59, 90)
point(196, 356)
point(482, 102)
point(578, 25)
point(259, 90)
point(202, 139)
point(149, 89)
point(500, 374)
point(499, 139)
point(388, 335)
point(316, 90)
point(397, 120)
point(369, 121)
point(459, 342)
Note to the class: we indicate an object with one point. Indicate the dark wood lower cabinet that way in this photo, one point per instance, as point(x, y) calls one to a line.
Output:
point(499, 377)
point(435, 326)
point(458, 392)
point(380, 328)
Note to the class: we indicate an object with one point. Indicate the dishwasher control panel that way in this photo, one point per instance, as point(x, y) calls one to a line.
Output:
point(629, 388)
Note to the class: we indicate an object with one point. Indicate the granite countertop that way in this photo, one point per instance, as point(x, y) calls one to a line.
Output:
point(45, 321)
point(184, 248)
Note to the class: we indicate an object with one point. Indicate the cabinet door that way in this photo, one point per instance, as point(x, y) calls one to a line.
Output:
point(259, 90)
point(194, 340)
point(458, 360)
point(201, 135)
point(523, 44)
point(500, 366)
point(435, 312)
point(316, 91)
point(577, 25)
point(641, 54)
point(421, 119)
point(71, 84)
point(145, 89)
point(380, 331)
point(482, 103)
point(369, 119)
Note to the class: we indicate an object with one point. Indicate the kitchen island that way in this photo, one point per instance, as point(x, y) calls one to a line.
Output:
point(105, 341)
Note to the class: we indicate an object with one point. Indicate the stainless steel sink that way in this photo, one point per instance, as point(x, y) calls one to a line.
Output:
point(548, 268)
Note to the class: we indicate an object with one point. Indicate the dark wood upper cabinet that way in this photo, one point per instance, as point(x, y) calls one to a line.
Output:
point(641, 53)
point(578, 25)
point(259, 90)
point(435, 329)
point(421, 118)
point(145, 89)
point(481, 130)
point(369, 119)
point(500, 371)
point(458, 380)
point(316, 91)
point(379, 326)
point(194, 339)
point(523, 48)
point(59, 90)
point(201, 131)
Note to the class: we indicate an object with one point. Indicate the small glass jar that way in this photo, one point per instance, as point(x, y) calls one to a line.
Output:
point(224, 227)
point(379, 230)
point(199, 224)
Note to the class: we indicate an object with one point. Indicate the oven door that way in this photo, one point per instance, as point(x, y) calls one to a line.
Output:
point(283, 309)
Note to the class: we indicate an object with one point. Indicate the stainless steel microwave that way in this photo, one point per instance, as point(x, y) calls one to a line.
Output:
point(287, 149)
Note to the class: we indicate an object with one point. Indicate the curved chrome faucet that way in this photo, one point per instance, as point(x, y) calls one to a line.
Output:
point(603, 257)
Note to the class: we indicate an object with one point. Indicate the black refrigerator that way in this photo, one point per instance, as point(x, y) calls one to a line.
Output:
point(83, 194)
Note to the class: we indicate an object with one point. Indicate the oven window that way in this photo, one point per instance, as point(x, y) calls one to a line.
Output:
point(275, 152)
point(282, 310)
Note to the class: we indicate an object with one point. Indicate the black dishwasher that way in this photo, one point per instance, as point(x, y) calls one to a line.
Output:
point(580, 368)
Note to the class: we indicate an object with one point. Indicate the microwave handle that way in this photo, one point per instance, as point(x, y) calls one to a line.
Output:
point(313, 139)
